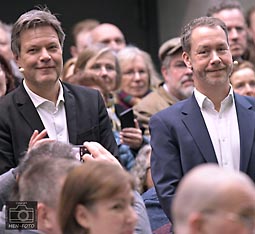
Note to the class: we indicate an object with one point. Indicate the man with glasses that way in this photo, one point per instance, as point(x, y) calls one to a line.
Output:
point(210, 199)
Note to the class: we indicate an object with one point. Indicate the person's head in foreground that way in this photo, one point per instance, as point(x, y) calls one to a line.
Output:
point(211, 199)
point(97, 197)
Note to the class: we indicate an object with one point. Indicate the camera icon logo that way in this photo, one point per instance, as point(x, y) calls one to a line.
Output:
point(21, 215)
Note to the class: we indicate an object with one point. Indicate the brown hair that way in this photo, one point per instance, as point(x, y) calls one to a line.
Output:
point(87, 184)
point(199, 22)
point(32, 19)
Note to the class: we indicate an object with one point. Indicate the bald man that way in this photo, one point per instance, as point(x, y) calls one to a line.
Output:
point(110, 35)
point(211, 199)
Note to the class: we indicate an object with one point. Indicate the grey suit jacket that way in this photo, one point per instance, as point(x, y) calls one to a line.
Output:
point(180, 141)
point(87, 120)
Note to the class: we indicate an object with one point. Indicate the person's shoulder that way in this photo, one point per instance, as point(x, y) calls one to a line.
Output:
point(150, 98)
point(79, 89)
point(173, 109)
point(245, 100)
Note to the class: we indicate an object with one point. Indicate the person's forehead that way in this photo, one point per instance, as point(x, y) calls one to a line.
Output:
point(230, 15)
point(108, 32)
point(205, 32)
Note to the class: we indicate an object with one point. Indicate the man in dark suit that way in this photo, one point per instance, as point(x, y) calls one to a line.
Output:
point(214, 125)
point(68, 113)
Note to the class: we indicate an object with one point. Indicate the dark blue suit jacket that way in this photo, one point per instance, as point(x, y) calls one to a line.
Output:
point(180, 141)
point(87, 120)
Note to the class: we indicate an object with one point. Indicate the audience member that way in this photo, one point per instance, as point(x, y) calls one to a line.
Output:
point(48, 157)
point(177, 84)
point(97, 67)
point(100, 61)
point(250, 20)
point(6, 52)
point(232, 14)
point(243, 78)
point(213, 125)
point(104, 202)
point(7, 82)
point(68, 113)
point(68, 68)
point(81, 39)
point(138, 75)
point(110, 35)
point(40, 176)
point(210, 199)
point(42, 182)
point(99, 153)
point(81, 35)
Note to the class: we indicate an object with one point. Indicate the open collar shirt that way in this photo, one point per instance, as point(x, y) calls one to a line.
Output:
point(53, 116)
point(223, 129)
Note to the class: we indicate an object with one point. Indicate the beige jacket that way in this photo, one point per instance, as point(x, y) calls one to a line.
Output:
point(152, 103)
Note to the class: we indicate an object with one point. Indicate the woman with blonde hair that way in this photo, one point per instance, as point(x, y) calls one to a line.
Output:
point(138, 75)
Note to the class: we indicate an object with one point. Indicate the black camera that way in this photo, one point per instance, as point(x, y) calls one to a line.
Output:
point(80, 150)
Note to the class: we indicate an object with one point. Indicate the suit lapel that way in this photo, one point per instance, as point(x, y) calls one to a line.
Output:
point(246, 122)
point(70, 114)
point(193, 120)
point(27, 109)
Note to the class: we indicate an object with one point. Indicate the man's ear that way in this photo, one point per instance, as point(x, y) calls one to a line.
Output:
point(45, 217)
point(186, 59)
point(16, 58)
point(82, 216)
point(164, 71)
point(196, 223)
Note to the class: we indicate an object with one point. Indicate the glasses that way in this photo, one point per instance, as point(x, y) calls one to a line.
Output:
point(246, 217)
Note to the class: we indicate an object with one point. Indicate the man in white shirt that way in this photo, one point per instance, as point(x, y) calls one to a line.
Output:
point(214, 125)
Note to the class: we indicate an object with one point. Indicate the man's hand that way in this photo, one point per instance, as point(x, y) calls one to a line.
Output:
point(98, 152)
point(38, 138)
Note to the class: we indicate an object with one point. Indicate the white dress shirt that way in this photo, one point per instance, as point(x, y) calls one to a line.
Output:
point(223, 129)
point(53, 116)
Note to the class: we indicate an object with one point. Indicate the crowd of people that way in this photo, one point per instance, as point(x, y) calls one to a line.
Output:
point(186, 166)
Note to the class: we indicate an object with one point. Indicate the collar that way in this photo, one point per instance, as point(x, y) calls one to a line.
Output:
point(203, 101)
point(38, 100)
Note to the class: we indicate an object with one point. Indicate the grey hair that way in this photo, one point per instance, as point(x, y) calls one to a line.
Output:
point(130, 52)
